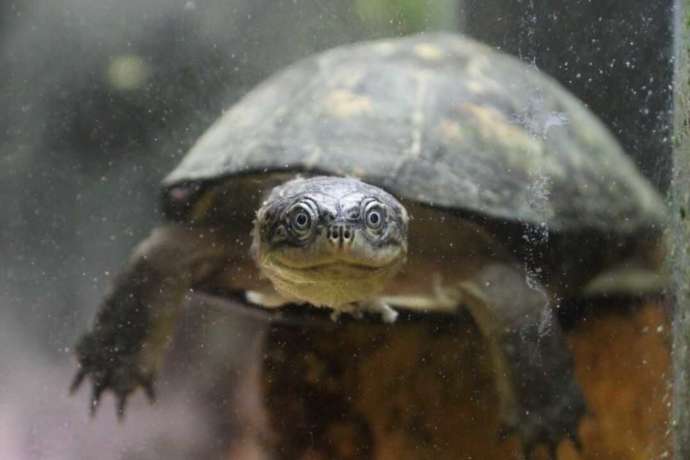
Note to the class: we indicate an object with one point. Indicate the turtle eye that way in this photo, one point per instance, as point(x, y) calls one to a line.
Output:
point(374, 215)
point(301, 218)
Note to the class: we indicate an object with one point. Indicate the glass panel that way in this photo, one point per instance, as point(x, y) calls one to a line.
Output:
point(501, 270)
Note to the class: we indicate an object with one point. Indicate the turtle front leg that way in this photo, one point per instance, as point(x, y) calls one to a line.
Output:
point(124, 349)
point(540, 400)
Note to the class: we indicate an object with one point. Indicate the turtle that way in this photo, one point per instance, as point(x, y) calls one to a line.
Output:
point(428, 172)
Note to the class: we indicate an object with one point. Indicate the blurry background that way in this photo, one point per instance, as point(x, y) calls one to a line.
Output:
point(100, 98)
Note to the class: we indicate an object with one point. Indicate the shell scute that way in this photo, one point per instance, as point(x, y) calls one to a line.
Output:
point(438, 119)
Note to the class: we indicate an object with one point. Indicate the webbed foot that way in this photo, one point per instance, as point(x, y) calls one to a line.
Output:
point(125, 348)
point(135, 322)
point(547, 426)
point(110, 368)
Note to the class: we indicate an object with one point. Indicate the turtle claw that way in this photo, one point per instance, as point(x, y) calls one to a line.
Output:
point(122, 384)
point(529, 449)
point(549, 433)
point(149, 390)
point(120, 406)
point(576, 441)
point(77, 381)
point(553, 451)
point(530, 444)
point(504, 432)
point(110, 369)
point(95, 400)
point(547, 425)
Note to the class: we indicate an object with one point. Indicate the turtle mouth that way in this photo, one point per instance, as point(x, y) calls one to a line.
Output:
point(356, 260)
point(332, 269)
point(334, 265)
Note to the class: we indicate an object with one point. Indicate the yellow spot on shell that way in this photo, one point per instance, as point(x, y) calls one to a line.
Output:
point(483, 85)
point(428, 51)
point(492, 124)
point(477, 66)
point(475, 86)
point(345, 104)
point(450, 130)
point(522, 150)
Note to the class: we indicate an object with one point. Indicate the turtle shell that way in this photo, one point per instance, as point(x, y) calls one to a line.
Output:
point(438, 119)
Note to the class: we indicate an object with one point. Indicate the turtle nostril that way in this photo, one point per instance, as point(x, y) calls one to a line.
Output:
point(339, 234)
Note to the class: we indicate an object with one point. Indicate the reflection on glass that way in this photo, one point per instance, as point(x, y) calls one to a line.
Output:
point(402, 247)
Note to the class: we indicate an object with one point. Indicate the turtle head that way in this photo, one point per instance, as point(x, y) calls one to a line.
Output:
point(329, 240)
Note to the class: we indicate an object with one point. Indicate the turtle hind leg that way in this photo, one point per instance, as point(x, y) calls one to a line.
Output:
point(540, 400)
point(124, 349)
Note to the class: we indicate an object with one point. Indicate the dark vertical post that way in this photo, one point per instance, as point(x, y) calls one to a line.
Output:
point(680, 231)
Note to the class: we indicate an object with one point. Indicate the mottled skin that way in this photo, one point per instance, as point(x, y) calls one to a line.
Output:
point(502, 173)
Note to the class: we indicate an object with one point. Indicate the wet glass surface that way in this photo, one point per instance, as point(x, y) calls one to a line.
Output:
point(102, 99)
